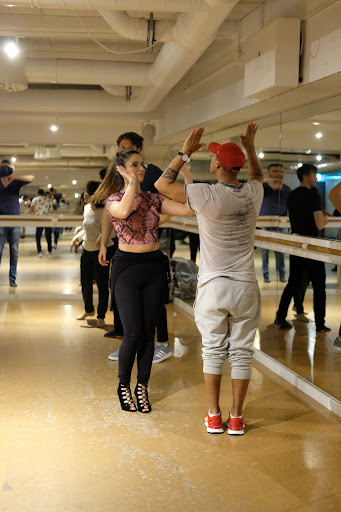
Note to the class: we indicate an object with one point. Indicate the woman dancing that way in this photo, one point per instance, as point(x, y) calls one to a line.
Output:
point(138, 277)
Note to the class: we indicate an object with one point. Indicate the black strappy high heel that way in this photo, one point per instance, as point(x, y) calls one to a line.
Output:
point(126, 399)
point(141, 394)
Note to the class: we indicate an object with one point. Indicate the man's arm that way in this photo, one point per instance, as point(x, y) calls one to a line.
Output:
point(320, 219)
point(248, 141)
point(335, 196)
point(28, 178)
point(6, 170)
point(166, 183)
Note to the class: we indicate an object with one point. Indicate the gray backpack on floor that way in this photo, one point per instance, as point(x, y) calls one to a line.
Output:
point(183, 278)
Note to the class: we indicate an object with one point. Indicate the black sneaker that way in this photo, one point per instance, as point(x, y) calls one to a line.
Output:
point(283, 325)
point(13, 284)
point(322, 329)
point(267, 279)
point(113, 334)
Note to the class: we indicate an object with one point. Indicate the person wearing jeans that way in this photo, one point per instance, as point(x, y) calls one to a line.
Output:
point(10, 187)
point(274, 203)
point(42, 205)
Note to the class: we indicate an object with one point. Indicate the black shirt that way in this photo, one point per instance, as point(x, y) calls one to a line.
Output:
point(302, 203)
point(153, 173)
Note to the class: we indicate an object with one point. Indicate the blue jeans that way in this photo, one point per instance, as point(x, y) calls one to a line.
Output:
point(12, 236)
point(280, 265)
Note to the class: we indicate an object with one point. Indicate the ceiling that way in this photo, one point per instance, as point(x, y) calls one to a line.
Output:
point(91, 73)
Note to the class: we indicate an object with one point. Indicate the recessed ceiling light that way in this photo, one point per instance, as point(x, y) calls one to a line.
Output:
point(318, 135)
point(54, 127)
point(319, 158)
point(76, 195)
point(299, 164)
point(261, 155)
point(316, 124)
point(318, 176)
point(308, 151)
point(13, 159)
point(74, 182)
point(49, 185)
point(11, 49)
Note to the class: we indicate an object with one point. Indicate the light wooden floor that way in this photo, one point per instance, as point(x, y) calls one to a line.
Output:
point(66, 446)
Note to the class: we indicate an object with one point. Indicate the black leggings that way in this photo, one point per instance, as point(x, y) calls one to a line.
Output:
point(138, 289)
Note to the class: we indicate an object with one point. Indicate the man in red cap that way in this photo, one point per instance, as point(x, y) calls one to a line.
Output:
point(227, 306)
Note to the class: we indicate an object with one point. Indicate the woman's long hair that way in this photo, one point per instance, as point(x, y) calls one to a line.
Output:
point(113, 181)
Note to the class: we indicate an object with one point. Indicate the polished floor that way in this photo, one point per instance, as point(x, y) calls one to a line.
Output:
point(66, 446)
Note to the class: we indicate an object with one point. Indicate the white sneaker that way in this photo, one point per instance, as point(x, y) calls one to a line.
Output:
point(114, 355)
point(100, 322)
point(161, 352)
point(40, 254)
point(84, 315)
point(302, 318)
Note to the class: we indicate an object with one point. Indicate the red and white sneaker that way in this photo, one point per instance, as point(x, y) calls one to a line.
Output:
point(214, 424)
point(236, 426)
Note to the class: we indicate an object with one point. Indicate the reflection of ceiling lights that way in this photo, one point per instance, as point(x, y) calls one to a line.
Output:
point(318, 135)
point(261, 155)
point(11, 49)
point(318, 158)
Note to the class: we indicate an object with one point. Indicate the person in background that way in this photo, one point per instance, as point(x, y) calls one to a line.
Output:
point(335, 197)
point(42, 205)
point(56, 205)
point(90, 268)
point(274, 203)
point(306, 218)
point(10, 187)
point(227, 306)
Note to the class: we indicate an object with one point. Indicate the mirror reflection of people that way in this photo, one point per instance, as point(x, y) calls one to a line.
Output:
point(306, 218)
point(274, 203)
point(335, 197)
point(227, 306)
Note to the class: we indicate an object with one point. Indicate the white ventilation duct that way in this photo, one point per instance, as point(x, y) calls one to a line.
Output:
point(46, 152)
point(87, 72)
point(137, 28)
point(12, 76)
point(121, 5)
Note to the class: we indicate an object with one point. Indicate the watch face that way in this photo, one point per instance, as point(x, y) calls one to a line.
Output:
point(185, 158)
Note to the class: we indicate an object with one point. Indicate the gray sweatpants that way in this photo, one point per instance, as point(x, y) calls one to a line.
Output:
point(227, 314)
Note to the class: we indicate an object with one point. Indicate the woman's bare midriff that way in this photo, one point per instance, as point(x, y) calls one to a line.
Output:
point(139, 249)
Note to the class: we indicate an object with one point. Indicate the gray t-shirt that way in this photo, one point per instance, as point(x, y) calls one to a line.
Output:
point(227, 217)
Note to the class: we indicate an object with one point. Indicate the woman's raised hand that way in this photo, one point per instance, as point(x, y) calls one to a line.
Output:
point(127, 174)
point(192, 143)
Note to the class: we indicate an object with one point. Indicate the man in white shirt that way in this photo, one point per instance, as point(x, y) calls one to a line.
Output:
point(227, 306)
point(42, 205)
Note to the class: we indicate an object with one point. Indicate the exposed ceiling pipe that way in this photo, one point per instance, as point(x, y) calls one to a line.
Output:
point(119, 90)
point(136, 28)
point(89, 72)
point(118, 5)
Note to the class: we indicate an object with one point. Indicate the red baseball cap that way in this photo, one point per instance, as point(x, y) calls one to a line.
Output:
point(229, 155)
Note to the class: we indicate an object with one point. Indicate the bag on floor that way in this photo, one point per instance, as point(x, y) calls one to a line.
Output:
point(184, 275)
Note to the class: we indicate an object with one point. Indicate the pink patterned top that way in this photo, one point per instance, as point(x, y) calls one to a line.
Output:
point(140, 227)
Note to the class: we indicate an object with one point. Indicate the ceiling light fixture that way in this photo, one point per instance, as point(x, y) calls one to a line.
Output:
point(49, 185)
point(261, 155)
point(319, 158)
point(13, 159)
point(76, 195)
point(318, 176)
point(74, 182)
point(316, 123)
point(318, 135)
point(54, 127)
point(308, 151)
point(11, 49)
